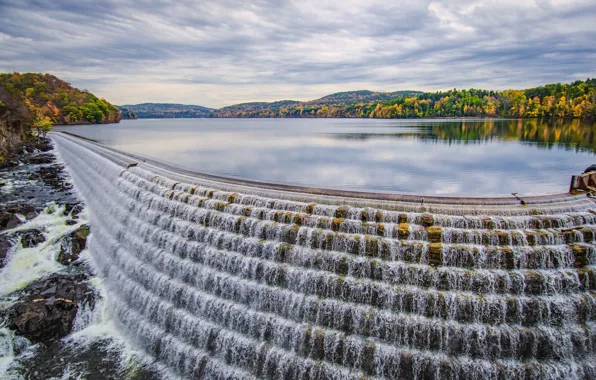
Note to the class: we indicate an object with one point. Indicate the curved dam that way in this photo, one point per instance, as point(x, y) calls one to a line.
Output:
point(224, 279)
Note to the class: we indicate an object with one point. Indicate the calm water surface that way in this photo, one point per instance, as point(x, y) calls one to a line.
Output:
point(435, 157)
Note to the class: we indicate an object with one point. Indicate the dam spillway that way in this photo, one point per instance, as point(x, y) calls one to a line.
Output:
point(225, 279)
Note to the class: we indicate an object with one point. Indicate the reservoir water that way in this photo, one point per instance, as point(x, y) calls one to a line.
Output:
point(450, 157)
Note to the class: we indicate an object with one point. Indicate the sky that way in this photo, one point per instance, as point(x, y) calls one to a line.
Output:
point(217, 53)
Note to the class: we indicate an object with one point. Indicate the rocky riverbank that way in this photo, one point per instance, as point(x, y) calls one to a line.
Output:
point(48, 293)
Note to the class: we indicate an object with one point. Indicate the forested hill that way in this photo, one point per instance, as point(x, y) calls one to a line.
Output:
point(49, 98)
point(31, 101)
point(166, 110)
point(575, 100)
point(340, 104)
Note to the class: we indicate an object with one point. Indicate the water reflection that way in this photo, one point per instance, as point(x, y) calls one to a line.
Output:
point(445, 157)
point(573, 134)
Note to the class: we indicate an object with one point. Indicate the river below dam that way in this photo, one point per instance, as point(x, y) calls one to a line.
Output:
point(448, 157)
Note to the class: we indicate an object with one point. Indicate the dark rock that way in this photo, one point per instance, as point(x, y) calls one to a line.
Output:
point(50, 307)
point(24, 209)
point(73, 210)
point(73, 244)
point(9, 164)
point(39, 159)
point(591, 168)
point(40, 322)
point(8, 221)
point(31, 238)
point(70, 222)
point(5, 244)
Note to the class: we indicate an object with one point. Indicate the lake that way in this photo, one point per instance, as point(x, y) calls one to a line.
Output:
point(449, 157)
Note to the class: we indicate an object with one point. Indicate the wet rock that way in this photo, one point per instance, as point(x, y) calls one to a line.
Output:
point(5, 244)
point(9, 220)
point(24, 209)
point(70, 222)
point(41, 322)
point(73, 209)
point(40, 159)
point(52, 176)
point(31, 238)
point(73, 244)
point(11, 163)
point(50, 307)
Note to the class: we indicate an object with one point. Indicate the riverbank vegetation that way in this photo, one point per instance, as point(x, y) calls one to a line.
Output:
point(31, 103)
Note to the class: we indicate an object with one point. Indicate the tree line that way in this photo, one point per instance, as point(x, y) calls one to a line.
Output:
point(573, 100)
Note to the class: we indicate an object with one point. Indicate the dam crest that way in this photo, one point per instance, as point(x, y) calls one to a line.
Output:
point(218, 278)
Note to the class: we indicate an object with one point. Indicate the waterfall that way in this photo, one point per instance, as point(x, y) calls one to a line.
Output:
point(221, 279)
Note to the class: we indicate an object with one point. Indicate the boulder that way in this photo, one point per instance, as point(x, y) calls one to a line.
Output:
point(28, 211)
point(39, 159)
point(72, 245)
point(31, 238)
point(9, 220)
point(73, 209)
point(5, 244)
point(43, 320)
point(50, 308)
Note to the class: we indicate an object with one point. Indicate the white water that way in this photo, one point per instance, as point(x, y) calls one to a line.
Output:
point(214, 283)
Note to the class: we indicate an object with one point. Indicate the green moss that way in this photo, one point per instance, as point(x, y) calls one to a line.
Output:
point(427, 220)
point(310, 208)
point(435, 254)
point(381, 229)
point(507, 258)
point(193, 190)
point(581, 255)
point(278, 216)
point(238, 223)
point(504, 237)
point(489, 224)
point(220, 206)
point(342, 212)
point(336, 224)
point(371, 246)
point(379, 217)
point(403, 231)
point(364, 216)
point(232, 197)
point(322, 222)
point(435, 234)
point(298, 219)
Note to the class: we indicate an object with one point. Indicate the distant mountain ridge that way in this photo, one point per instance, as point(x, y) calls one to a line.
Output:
point(572, 100)
point(166, 110)
point(362, 96)
point(257, 109)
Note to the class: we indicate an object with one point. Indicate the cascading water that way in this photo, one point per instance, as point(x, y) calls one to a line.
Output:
point(218, 279)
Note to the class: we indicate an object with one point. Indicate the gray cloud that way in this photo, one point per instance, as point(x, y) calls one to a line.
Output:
point(222, 52)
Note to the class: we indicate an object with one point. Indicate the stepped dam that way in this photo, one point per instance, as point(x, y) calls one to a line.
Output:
point(217, 278)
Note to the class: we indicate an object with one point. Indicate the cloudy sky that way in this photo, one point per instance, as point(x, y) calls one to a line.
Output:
point(216, 53)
